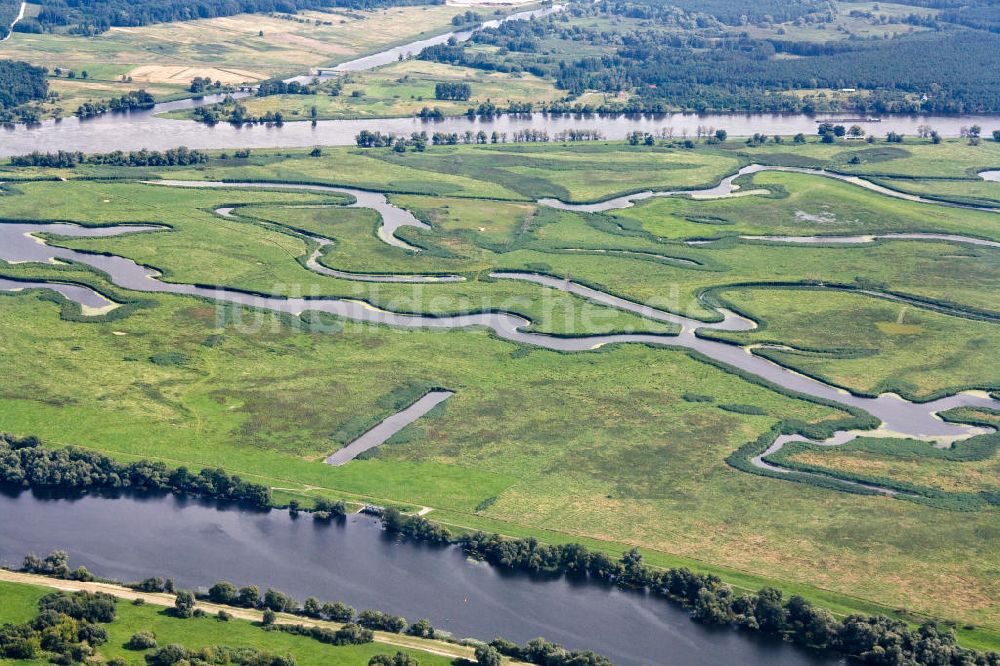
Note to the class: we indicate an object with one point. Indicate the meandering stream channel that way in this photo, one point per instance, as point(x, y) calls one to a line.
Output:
point(899, 417)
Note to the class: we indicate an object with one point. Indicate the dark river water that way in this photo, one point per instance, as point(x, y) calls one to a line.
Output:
point(197, 542)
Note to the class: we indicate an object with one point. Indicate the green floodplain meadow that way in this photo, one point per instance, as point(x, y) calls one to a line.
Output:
point(21, 604)
point(623, 445)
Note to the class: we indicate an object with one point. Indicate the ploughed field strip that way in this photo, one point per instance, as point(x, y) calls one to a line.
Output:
point(900, 417)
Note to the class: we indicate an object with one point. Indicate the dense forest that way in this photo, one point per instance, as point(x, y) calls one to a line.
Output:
point(95, 16)
point(740, 74)
point(730, 12)
point(8, 12)
point(696, 61)
point(20, 83)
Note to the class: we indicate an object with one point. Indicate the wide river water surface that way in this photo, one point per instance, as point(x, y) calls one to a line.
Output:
point(197, 543)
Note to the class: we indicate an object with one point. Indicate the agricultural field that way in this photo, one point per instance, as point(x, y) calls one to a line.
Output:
point(401, 89)
point(620, 445)
point(164, 58)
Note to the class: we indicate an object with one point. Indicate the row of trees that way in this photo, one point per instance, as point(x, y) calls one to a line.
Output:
point(95, 16)
point(215, 655)
point(349, 634)
point(278, 87)
point(63, 159)
point(417, 141)
point(871, 639)
point(135, 99)
point(358, 627)
point(521, 136)
point(250, 596)
point(28, 464)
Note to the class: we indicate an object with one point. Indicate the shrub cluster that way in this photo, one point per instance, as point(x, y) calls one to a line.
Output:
point(540, 651)
point(231, 111)
point(216, 655)
point(135, 99)
point(349, 634)
point(55, 564)
point(398, 659)
point(67, 628)
point(379, 621)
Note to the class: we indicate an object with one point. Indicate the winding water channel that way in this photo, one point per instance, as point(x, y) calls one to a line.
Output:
point(898, 416)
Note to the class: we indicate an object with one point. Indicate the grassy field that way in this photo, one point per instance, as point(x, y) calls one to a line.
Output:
point(975, 192)
point(844, 23)
point(402, 89)
point(805, 205)
point(871, 345)
point(266, 404)
point(621, 446)
point(20, 604)
point(575, 173)
point(911, 463)
point(914, 158)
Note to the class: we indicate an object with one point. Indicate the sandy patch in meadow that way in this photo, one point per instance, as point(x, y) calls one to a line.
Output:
point(184, 74)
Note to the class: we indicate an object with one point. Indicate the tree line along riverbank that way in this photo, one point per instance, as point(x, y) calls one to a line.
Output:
point(709, 600)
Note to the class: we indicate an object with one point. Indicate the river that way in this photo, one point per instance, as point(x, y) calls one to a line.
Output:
point(196, 543)
point(143, 129)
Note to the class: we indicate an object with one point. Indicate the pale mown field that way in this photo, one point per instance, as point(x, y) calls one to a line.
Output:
point(163, 58)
